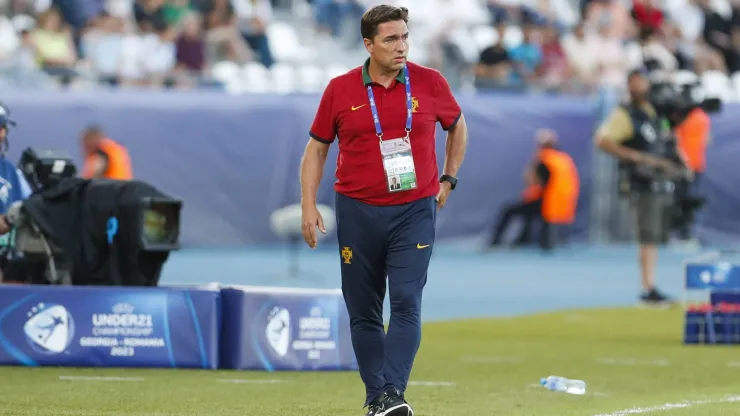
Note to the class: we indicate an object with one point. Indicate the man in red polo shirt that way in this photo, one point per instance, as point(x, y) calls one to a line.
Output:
point(388, 191)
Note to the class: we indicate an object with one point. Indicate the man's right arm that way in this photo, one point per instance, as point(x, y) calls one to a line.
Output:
point(616, 130)
point(312, 168)
point(322, 134)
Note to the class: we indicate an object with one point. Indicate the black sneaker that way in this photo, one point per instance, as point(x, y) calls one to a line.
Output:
point(376, 407)
point(396, 404)
point(655, 298)
point(389, 404)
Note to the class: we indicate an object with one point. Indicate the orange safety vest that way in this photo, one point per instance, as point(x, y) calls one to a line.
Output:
point(693, 136)
point(560, 196)
point(119, 164)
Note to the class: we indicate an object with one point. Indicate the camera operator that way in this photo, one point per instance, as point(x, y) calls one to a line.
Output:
point(13, 187)
point(693, 138)
point(641, 141)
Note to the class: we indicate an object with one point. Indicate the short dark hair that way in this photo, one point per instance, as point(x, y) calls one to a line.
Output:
point(378, 15)
point(637, 72)
point(93, 130)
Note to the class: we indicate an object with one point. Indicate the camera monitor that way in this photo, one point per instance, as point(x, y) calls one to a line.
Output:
point(159, 224)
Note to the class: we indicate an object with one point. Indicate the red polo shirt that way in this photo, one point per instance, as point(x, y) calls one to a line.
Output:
point(344, 112)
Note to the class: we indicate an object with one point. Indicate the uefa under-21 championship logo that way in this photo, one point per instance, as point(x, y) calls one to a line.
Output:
point(49, 328)
point(278, 330)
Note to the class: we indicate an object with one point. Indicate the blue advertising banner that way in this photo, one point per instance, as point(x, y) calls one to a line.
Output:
point(276, 329)
point(109, 326)
point(720, 275)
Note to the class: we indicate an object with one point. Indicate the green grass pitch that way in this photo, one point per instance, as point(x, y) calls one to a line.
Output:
point(632, 360)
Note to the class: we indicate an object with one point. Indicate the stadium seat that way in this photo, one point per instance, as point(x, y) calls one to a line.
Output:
point(513, 36)
point(255, 78)
point(283, 78)
point(684, 77)
point(225, 71)
point(284, 42)
point(735, 81)
point(334, 70)
point(717, 84)
point(311, 78)
point(485, 36)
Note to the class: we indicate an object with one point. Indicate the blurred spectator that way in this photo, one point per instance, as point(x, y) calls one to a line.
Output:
point(103, 48)
point(555, 72)
point(649, 53)
point(494, 66)
point(526, 57)
point(332, 15)
point(580, 49)
point(647, 14)
point(8, 39)
point(157, 56)
point(223, 40)
point(253, 17)
point(150, 15)
point(175, 10)
point(54, 46)
point(693, 53)
point(443, 29)
point(191, 57)
point(609, 56)
point(612, 14)
point(717, 34)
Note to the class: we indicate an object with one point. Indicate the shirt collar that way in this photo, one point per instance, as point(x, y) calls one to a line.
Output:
point(366, 75)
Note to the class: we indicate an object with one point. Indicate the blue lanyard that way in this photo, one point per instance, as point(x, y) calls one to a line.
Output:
point(376, 119)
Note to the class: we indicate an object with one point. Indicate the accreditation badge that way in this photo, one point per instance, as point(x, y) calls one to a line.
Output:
point(398, 162)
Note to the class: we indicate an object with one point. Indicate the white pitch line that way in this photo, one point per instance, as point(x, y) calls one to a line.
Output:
point(670, 406)
point(633, 362)
point(249, 381)
point(432, 383)
point(733, 364)
point(98, 378)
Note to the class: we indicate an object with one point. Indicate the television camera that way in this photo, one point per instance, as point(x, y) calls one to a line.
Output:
point(90, 232)
point(674, 100)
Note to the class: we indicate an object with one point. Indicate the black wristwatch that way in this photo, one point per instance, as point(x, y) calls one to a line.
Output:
point(451, 179)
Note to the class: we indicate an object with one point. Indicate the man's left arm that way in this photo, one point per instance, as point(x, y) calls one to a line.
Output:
point(449, 115)
point(100, 165)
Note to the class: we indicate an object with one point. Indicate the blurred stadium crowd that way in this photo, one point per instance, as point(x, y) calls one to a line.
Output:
point(298, 45)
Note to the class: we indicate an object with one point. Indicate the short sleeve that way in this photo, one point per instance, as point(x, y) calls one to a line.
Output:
point(25, 187)
point(617, 128)
point(448, 110)
point(324, 127)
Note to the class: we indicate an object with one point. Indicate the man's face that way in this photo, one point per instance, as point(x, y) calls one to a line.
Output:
point(3, 133)
point(639, 87)
point(390, 46)
point(89, 143)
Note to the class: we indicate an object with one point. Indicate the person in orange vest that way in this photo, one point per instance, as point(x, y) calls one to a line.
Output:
point(692, 137)
point(553, 187)
point(104, 158)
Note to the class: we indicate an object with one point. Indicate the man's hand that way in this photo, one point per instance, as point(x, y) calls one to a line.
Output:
point(311, 219)
point(664, 164)
point(4, 225)
point(444, 191)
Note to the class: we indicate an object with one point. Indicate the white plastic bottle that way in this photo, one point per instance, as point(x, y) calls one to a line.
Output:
point(564, 385)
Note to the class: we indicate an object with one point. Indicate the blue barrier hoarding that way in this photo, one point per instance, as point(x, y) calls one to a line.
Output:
point(716, 276)
point(109, 326)
point(285, 329)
